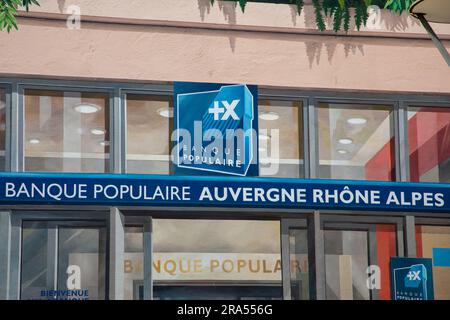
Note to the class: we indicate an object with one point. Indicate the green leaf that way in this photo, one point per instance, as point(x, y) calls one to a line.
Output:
point(242, 4)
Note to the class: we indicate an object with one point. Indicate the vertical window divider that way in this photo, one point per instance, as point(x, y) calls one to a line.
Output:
point(305, 117)
point(312, 157)
point(16, 128)
point(148, 258)
point(117, 131)
point(402, 156)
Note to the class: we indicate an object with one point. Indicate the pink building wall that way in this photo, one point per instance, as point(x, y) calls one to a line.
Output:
point(159, 41)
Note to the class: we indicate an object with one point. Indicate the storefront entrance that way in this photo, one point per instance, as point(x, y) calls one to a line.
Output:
point(205, 257)
point(220, 259)
point(63, 260)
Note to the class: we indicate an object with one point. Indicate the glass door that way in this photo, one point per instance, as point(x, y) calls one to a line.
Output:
point(295, 262)
point(357, 260)
point(203, 259)
point(63, 261)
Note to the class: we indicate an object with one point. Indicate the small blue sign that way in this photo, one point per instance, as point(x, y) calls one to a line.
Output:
point(441, 257)
point(216, 128)
point(412, 279)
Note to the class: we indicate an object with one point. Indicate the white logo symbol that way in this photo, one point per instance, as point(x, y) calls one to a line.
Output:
point(74, 277)
point(414, 275)
point(227, 112)
point(74, 19)
point(374, 279)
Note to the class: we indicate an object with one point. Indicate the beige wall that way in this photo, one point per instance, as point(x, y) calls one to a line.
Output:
point(153, 40)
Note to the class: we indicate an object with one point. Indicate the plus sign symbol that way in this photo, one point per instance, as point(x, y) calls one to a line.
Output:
point(414, 275)
point(227, 111)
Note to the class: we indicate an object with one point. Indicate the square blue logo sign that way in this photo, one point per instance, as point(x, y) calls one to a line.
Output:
point(216, 129)
point(411, 279)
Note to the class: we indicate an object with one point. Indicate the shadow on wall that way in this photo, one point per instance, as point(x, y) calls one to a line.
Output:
point(389, 21)
point(61, 5)
point(228, 9)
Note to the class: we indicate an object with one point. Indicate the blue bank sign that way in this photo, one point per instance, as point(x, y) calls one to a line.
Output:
point(216, 128)
point(412, 279)
point(235, 192)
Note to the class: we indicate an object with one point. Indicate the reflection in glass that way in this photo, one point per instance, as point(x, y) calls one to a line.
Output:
point(65, 259)
point(280, 138)
point(429, 144)
point(81, 261)
point(2, 128)
point(346, 262)
point(209, 259)
point(356, 142)
point(134, 262)
point(434, 242)
point(148, 122)
point(66, 131)
point(298, 250)
point(34, 271)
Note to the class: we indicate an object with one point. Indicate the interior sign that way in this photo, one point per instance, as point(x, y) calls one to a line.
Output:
point(215, 128)
point(412, 279)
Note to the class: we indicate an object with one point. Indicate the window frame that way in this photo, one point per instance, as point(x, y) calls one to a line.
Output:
point(124, 122)
point(20, 115)
point(406, 105)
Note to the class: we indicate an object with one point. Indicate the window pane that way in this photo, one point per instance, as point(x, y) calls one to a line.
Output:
point(216, 259)
point(280, 139)
point(434, 242)
point(81, 261)
point(356, 142)
point(298, 250)
point(2, 128)
point(66, 131)
point(34, 272)
point(346, 261)
point(148, 140)
point(134, 263)
point(429, 144)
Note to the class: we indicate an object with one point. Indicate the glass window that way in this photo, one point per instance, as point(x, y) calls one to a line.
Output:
point(2, 128)
point(66, 131)
point(429, 144)
point(82, 260)
point(356, 142)
point(134, 262)
point(434, 242)
point(35, 276)
point(298, 263)
point(347, 260)
point(281, 138)
point(66, 258)
point(208, 259)
point(149, 119)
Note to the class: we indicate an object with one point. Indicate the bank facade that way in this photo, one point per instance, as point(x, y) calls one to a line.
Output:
point(93, 207)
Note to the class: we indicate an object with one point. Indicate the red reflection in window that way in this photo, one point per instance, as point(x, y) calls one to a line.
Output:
point(386, 248)
point(429, 140)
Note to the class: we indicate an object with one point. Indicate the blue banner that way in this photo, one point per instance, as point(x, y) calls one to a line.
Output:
point(411, 279)
point(154, 190)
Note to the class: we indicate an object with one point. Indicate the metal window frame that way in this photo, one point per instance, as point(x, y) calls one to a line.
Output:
point(124, 115)
point(18, 120)
point(55, 219)
point(303, 113)
point(348, 102)
point(362, 221)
